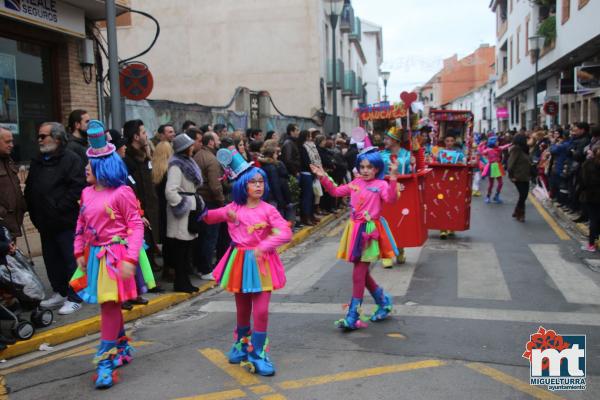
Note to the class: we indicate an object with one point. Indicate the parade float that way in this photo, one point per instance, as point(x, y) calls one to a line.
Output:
point(406, 216)
point(448, 187)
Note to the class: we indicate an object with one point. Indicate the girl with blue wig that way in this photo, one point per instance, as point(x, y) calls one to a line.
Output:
point(251, 268)
point(108, 250)
point(367, 237)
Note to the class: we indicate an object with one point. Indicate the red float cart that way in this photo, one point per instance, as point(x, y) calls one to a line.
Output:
point(448, 187)
point(406, 216)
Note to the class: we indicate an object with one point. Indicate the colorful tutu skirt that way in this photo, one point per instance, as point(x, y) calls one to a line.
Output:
point(367, 241)
point(240, 272)
point(102, 280)
point(493, 170)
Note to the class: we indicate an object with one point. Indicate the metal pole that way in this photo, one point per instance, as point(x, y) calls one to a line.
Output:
point(334, 18)
point(535, 87)
point(491, 113)
point(113, 66)
point(385, 90)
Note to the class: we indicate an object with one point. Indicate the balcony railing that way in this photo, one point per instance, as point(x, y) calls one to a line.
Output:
point(347, 19)
point(503, 79)
point(358, 91)
point(349, 83)
point(339, 73)
point(356, 33)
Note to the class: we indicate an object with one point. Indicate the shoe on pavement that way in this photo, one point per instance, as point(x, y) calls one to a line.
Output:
point(487, 200)
point(53, 301)
point(207, 277)
point(589, 247)
point(69, 307)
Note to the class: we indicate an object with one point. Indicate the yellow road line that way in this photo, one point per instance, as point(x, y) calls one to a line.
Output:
point(274, 397)
point(562, 235)
point(242, 376)
point(75, 352)
point(364, 373)
point(3, 391)
point(261, 389)
point(512, 382)
point(226, 395)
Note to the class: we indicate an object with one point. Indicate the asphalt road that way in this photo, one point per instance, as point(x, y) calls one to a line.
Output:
point(464, 311)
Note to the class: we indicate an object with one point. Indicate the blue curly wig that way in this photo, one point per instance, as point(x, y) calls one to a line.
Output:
point(374, 158)
point(492, 141)
point(110, 171)
point(240, 185)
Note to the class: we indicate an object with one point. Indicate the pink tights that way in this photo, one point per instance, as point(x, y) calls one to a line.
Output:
point(111, 320)
point(491, 186)
point(361, 277)
point(257, 302)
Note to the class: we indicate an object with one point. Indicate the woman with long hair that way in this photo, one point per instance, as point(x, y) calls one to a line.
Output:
point(160, 165)
point(519, 172)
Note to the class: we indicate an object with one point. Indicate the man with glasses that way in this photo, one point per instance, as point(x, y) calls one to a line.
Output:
point(52, 191)
point(77, 138)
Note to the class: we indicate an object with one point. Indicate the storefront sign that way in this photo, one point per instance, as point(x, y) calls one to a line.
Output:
point(502, 112)
point(381, 111)
point(9, 111)
point(51, 14)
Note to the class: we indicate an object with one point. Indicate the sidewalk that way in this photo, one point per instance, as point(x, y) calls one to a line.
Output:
point(87, 320)
point(578, 231)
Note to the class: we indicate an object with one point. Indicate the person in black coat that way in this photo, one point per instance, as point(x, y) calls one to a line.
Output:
point(278, 176)
point(52, 192)
point(590, 176)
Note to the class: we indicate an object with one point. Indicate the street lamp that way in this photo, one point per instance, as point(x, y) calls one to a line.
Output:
point(385, 75)
point(335, 9)
point(534, 47)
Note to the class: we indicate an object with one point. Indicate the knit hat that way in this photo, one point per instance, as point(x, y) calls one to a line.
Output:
point(182, 142)
point(97, 138)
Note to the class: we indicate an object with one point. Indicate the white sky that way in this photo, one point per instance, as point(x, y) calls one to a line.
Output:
point(419, 34)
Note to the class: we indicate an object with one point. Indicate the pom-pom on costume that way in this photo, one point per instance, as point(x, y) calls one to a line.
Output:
point(251, 268)
point(493, 169)
point(366, 238)
point(109, 232)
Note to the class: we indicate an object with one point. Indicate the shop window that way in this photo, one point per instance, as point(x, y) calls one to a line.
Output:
point(27, 94)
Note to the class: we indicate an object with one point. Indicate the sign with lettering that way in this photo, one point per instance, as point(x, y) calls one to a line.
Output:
point(50, 14)
point(381, 111)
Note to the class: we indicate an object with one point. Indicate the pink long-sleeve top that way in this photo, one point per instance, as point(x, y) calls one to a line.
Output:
point(366, 197)
point(260, 227)
point(493, 154)
point(107, 214)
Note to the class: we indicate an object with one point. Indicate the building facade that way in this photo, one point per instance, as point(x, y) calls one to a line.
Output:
point(372, 44)
point(571, 38)
point(480, 101)
point(207, 50)
point(46, 65)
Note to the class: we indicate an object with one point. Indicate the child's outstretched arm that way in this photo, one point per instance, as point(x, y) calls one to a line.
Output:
point(220, 214)
point(332, 189)
point(391, 194)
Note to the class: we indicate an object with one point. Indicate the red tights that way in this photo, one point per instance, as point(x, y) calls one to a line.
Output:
point(491, 186)
point(361, 277)
point(111, 320)
point(255, 304)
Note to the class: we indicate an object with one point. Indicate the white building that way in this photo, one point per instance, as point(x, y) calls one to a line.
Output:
point(479, 101)
point(207, 49)
point(572, 38)
point(372, 44)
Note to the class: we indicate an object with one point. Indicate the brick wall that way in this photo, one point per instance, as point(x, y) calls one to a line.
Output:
point(75, 92)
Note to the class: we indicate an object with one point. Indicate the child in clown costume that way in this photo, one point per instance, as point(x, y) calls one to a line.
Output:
point(251, 268)
point(493, 169)
point(108, 250)
point(367, 237)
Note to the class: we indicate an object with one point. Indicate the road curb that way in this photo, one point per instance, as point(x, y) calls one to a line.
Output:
point(91, 325)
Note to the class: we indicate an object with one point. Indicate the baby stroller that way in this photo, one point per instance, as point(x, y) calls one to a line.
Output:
point(22, 291)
